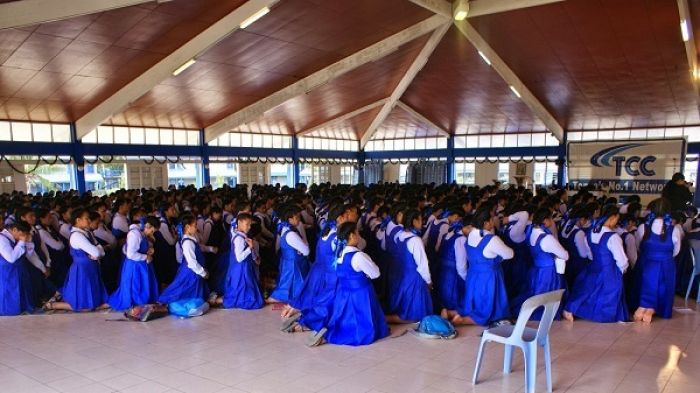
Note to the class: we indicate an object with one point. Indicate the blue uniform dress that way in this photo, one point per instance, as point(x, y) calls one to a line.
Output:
point(138, 284)
point(84, 289)
point(655, 273)
point(15, 297)
point(598, 294)
point(394, 268)
point(357, 317)
point(576, 263)
point(241, 287)
point(315, 300)
point(450, 286)
point(515, 271)
point(60, 259)
point(164, 256)
point(413, 300)
point(42, 288)
point(485, 296)
point(187, 284)
point(223, 260)
point(542, 277)
point(293, 268)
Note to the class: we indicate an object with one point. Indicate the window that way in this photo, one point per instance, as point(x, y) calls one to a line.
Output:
point(183, 174)
point(47, 178)
point(282, 174)
point(465, 173)
point(503, 172)
point(403, 169)
point(347, 174)
point(104, 179)
point(313, 173)
point(545, 173)
point(223, 173)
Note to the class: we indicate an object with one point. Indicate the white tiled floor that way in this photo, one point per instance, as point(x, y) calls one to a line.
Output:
point(239, 351)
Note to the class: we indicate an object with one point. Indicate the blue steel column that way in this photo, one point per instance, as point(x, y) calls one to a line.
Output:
point(78, 159)
point(206, 180)
point(450, 159)
point(295, 159)
point(696, 202)
point(561, 160)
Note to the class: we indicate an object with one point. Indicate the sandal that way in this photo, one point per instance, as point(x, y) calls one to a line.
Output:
point(289, 322)
point(315, 339)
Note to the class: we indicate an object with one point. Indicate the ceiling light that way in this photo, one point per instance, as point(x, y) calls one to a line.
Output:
point(515, 91)
point(460, 10)
point(684, 30)
point(483, 56)
point(183, 67)
point(251, 19)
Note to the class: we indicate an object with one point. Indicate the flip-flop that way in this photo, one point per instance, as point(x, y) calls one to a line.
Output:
point(288, 323)
point(315, 339)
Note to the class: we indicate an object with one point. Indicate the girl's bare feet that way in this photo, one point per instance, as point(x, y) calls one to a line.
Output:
point(639, 314)
point(648, 315)
point(567, 316)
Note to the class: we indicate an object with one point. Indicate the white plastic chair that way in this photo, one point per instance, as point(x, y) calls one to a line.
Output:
point(525, 338)
point(694, 254)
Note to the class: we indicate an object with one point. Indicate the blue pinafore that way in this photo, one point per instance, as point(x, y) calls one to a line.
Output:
point(655, 273)
point(515, 271)
point(137, 284)
point(394, 269)
point(576, 263)
point(450, 286)
point(293, 268)
point(485, 296)
point(598, 294)
point(413, 300)
point(15, 293)
point(187, 284)
point(84, 289)
point(315, 300)
point(164, 256)
point(357, 317)
point(241, 287)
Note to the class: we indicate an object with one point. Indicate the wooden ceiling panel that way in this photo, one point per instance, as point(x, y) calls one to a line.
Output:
point(60, 70)
point(401, 124)
point(297, 38)
point(599, 64)
point(459, 92)
point(348, 129)
point(362, 86)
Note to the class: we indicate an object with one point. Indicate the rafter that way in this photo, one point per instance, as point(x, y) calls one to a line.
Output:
point(422, 118)
point(32, 12)
point(164, 68)
point(342, 118)
point(511, 78)
point(405, 81)
point(318, 78)
point(691, 51)
point(480, 7)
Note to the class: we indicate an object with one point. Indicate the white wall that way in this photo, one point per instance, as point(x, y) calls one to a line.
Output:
point(391, 172)
point(142, 175)
point(485, 173)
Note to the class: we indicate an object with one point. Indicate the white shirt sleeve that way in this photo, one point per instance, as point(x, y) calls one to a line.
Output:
point(191, 258)
point(34, 259)
point(677, 238)
point(584, 250)
point(381, 236)
point(441, 234)
point(517, 231)
point(65, 231)
point(297, 243)
point(361, 262)
point(426, 235)
point(133, 243)
point(119, 222)
point(50, 241)
point(461, 256)
point(551, 245)
point(79, 241)
point(416, 248)
point(240, 249)
point(631, 248)
point(639, 234)
point(496, 248)
point(167, 235)
point(10, 254)
point(616, 248)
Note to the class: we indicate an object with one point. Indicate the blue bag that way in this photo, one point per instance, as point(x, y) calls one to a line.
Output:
point(433, 326)
point(188, 308)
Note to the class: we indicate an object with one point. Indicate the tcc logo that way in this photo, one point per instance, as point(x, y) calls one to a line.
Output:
point(633, 165)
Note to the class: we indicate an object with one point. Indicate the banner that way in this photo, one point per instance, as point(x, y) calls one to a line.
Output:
point(627, 167)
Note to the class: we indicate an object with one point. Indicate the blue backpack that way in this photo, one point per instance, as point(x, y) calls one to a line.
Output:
point(433, 326)
point(188, 308)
